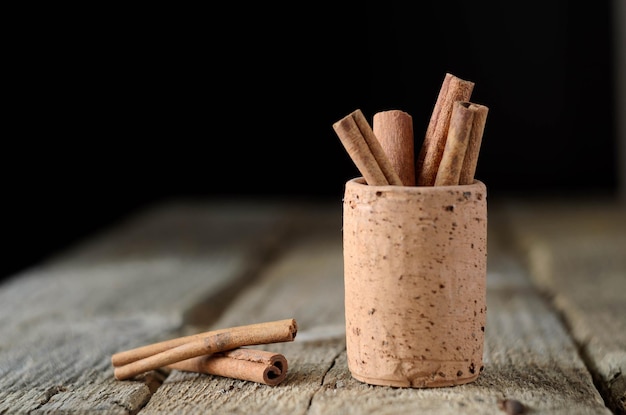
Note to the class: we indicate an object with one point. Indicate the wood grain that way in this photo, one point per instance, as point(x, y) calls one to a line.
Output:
point(136, 283)
point(577, 256)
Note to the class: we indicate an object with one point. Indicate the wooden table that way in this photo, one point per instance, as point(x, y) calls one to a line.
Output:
point(555, 335)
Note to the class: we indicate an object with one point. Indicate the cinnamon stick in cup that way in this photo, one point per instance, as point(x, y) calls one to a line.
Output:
point(449, 170)
point(246, 364)
point(359, 140)
point(474, 142)
point(394, 130)
point(136, 361)
point(452, 89)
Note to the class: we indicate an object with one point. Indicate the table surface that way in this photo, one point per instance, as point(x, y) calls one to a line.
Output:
point(555, 338)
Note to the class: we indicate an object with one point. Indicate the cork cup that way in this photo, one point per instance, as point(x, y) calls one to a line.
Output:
point(415, 267)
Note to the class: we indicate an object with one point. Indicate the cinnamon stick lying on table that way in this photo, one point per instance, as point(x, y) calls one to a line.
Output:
point(473, 145)
point(359, 140)
point(245, 364)
point(452, 89)
point(133, 362)
point(394, 130)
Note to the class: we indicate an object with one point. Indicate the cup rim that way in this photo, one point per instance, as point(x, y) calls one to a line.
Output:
point(360, 182)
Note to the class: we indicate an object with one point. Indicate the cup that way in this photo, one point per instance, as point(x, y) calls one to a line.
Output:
point(415, 268)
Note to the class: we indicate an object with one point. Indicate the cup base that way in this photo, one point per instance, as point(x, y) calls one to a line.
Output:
point(422, 382)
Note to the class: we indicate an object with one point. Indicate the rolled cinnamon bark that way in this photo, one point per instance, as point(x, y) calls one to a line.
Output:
point(394, 130)
point(245, 364)
point(452, 89)
point(377, 150)
point(470, 162)
point(133, 362)
point(359, 140)
point(451, 163)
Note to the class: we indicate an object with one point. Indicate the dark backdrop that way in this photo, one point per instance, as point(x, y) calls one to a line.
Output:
point(116, 109)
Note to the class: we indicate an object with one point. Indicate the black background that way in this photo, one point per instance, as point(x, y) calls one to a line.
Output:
point(115, 109)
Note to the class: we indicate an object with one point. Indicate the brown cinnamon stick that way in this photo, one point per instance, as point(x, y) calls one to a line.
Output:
point(394, 130)
point(246, 364)
point(474, 142)
point(449, 170)
point(359, 140)
point(130, 363)
point(452, 89)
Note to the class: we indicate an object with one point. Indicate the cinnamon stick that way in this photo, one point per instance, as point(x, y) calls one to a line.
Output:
point(449, 170)
point(359, 140)
point(130, 363)
point(452, 89)
point(394, 130)
point(245, 364)
point(473, 145)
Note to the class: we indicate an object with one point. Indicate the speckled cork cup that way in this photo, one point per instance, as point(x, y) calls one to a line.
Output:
point(415, 267)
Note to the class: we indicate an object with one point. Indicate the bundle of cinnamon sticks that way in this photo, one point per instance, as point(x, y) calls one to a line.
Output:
point(219, 352)
point(384, 153)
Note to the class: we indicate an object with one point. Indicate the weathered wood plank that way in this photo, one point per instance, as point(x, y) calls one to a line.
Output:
point(156, 276)
point(577, 254)
point(60, 322)
point(305, 283)
point(529, 354)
